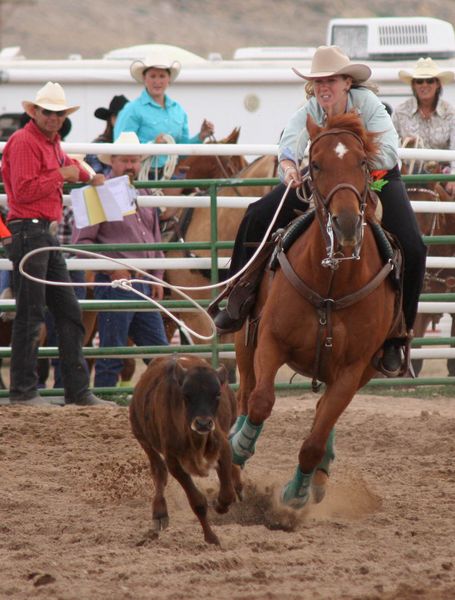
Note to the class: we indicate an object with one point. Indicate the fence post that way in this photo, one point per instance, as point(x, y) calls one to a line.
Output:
point(214, 274)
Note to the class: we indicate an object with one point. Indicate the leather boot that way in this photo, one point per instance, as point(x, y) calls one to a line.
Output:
point(392, 358)
point(89, 399)
point(226, 324)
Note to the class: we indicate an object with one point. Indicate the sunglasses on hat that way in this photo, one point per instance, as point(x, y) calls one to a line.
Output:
point(429, 80)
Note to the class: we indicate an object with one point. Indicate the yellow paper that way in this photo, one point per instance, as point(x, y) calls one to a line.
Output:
point(94, 207)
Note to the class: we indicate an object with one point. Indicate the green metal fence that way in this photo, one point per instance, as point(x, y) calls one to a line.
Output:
point(214, 349)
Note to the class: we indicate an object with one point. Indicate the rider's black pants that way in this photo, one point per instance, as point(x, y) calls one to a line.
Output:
point(398, 218)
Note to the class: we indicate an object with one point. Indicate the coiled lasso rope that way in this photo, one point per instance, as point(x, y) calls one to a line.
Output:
point(127, 284)
point(151, 162)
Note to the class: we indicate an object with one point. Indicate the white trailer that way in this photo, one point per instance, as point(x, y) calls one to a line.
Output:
point(255, 90)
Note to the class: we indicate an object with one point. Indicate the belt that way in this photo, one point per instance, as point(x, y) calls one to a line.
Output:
point(17, 225)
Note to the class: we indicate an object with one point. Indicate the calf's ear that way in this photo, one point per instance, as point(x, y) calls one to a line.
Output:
point(177, 372)
point(222, 374)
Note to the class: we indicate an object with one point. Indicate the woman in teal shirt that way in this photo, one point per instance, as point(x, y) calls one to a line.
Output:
point(154, 114)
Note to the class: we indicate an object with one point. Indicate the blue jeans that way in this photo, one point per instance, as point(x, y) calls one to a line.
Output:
point(144, 328)
point(31, 301)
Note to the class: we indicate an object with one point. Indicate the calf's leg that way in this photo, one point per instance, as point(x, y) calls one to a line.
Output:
point(197, 500)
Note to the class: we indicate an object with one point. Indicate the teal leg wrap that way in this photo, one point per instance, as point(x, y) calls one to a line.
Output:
point(297, 492)
point(237, 425)
point(329, 455)
point(243, 440)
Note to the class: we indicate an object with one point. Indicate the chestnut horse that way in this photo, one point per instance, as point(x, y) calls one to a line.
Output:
point(328, 309)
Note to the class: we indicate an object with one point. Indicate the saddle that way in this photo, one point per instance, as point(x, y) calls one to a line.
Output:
point(242, 292)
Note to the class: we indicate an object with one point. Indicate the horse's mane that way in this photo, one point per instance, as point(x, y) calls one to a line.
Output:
point(352, 122)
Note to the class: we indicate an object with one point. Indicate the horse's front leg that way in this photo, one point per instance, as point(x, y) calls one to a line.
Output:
point(259, 405)
point(317, 450)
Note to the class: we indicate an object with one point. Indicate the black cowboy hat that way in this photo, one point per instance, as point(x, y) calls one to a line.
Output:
point(115, 106)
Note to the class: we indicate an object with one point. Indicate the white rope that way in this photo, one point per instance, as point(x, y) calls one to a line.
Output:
point(417, 142)
point(152, 162)
point(126, 284)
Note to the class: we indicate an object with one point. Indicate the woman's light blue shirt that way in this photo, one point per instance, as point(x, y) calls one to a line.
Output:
point(295, 137)
point(148, 119)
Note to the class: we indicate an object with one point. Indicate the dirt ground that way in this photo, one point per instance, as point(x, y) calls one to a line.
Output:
point(75, 511)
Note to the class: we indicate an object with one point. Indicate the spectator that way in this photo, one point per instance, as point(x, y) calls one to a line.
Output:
point(34, 171)
point(144, 328)
point(426, 115)
point(154, 114)
point(107, 137)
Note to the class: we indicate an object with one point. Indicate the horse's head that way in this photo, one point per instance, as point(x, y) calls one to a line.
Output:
point(339, 159)
point(213, 167)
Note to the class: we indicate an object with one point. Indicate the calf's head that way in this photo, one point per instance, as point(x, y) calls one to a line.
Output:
point(201, 388)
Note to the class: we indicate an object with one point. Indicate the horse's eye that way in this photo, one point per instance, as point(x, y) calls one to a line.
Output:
point(315, 166)
point(364, 163)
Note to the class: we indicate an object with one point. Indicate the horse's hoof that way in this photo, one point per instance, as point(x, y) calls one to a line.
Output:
point(318, 485)
point(160, 524)
point(296, 502)
point(318, 493)
point(296, 492)
point(211, 538)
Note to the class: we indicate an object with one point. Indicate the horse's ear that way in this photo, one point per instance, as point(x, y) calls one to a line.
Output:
point(232, 138)
point(312, 128)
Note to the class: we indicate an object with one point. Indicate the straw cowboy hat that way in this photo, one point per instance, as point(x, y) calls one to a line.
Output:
point(115, 106)
point(126, 137)
point(159, 60)
point(330, 60)
point(50, 96)
point(426, 68)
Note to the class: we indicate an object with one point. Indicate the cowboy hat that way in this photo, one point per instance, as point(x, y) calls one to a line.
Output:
point(159, 60)
point(330, 60)
point(426, 68)
point(51, 97)
point(126, 137)
point(115, 106)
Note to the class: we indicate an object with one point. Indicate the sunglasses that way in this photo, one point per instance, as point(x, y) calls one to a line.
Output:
point(429, 80)
point(47, 113)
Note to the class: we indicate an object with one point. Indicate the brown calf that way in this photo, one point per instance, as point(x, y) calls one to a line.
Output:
point(181, 412)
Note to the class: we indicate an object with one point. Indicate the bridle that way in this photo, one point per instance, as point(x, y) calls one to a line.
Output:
point(322, 204)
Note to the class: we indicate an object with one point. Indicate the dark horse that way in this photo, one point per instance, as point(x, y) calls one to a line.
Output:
point(328, 309)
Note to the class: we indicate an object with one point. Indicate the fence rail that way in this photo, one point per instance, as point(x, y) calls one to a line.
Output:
point(429, 303)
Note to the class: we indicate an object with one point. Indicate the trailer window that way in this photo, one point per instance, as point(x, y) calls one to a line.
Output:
point(353, 39)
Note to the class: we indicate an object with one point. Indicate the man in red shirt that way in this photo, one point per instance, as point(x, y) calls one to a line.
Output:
point(34, 169)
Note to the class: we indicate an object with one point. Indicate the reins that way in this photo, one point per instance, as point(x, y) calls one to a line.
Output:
point(326, 305)
point(322, 202)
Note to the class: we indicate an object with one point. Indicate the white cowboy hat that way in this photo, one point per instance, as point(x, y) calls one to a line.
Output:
point(52, 97)
point(126, 137)
point(158, 60)
point(426, 68)
point(331, 60)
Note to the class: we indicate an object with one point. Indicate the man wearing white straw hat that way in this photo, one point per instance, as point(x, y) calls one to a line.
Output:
point(154, 115)
point(34, 169)
point(334, 86)
point(426, 116)
point(141, 227)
